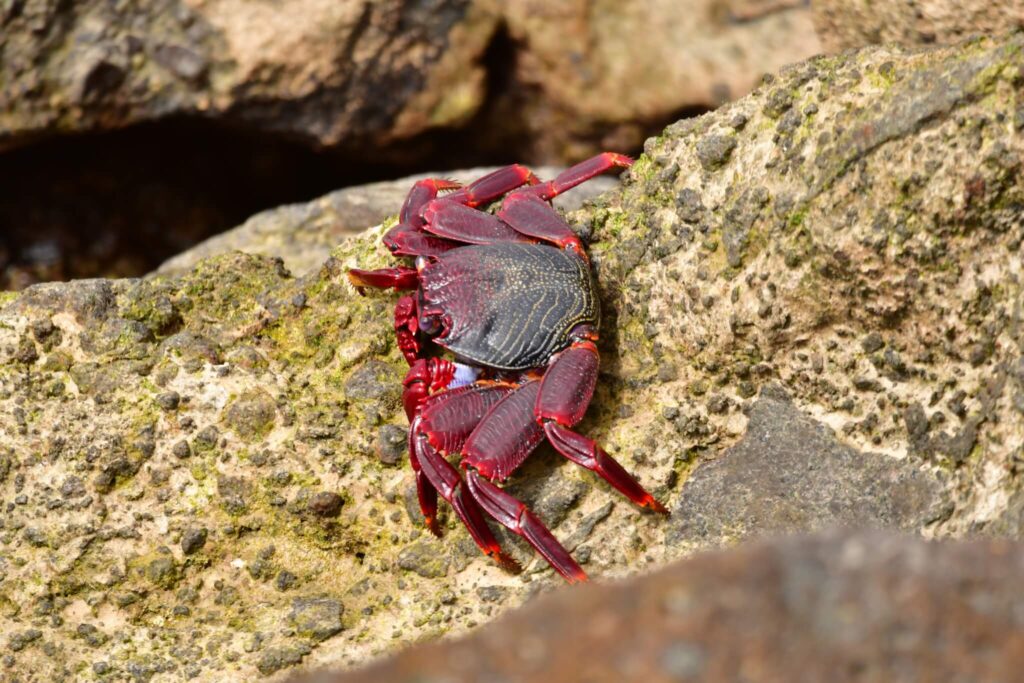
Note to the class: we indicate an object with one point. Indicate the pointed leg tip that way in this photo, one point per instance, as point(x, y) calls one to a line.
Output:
point(507, 562)
point(652, 504)
point(433, 526)
point(578, 576)
point(620, 159)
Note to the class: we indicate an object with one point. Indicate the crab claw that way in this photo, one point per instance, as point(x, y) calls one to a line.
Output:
point(401, 277)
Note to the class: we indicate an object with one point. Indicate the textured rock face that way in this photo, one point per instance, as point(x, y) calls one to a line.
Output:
point(315, 68)
point(845, 24)
point(198, 472)
point(836, 608)
point(302, 235)
point(789, 473)
point(368, 77)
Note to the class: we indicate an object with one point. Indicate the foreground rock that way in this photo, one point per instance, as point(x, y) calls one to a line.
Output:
point(373, 78)
point(200, 472)
point(836, 608)
point(302, 235)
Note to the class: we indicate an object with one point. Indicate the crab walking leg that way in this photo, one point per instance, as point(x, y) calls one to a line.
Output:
point(399, 277)
point(530, 215)
point(517, 518)
point(442, 423)
point(580, 173)
point(505, 437)
point(426, 493)
point(421, 193)
point(565, 393)
point(464, 224)
point(452, 488)
point(405, 240)
point(491, 186)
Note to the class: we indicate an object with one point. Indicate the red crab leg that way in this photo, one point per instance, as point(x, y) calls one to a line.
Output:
point(406, 328)
point(421, 193)
point(581, 172)
point(530, 215)
point(446, 480)
point(400, 277)
point(565, 393)
point(493, 185)
point(506, 435)
point(459, 222)
point(517, 518)
point(405, 240)
point(424, 376)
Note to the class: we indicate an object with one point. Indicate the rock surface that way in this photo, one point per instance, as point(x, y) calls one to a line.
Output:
point(370, 77)
point(858, 245)
point(828, 608)
point(302, 235)
point(845, 24)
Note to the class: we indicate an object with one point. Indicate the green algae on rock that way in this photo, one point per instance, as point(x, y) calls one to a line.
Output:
point(822, 227)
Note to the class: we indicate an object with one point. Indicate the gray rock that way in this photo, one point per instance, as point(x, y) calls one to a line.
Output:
point(317, 618)
point(789, 474)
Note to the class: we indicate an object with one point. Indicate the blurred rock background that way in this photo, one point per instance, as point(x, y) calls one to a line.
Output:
point(130, 131)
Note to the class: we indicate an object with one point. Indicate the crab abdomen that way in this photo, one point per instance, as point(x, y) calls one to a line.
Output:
point(510, 306)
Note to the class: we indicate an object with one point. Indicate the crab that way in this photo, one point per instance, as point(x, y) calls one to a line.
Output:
point(510, 294)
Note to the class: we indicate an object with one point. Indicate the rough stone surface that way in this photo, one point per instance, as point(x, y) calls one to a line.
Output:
point(328, 71)
point(879, 192)
point(374, 78)
point(830, 608)
point(845, 24)
point(789, 473)
point(304, 234)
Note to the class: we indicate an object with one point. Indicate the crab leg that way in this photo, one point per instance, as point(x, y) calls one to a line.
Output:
point(445, 421)
point(405, 240)
point(421, 193)
point(464, 224)
point(506, 435)
point(517, 518)
point(399, 277)
point(493, 185)
point(565, 392)
point(580, 173)
point(530, 215)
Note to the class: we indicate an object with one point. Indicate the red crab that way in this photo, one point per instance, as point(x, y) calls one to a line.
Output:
point(511, 295)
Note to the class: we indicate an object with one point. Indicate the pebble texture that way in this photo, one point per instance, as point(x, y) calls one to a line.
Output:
point(841, 608)
point(858, 246)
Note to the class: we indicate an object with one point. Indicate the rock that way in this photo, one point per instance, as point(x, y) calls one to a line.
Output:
point(789, 473)
point(892, 207)
point(375, 79)
point(251, 415)
point(392, 444)
point(326, 72)
point(304, 234)
point(326, 504)
point(427, 559)
point(317, 618)
point(821, 608)
point(193, 540)
point(843, 24)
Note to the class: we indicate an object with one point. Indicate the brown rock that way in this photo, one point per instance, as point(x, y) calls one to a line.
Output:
point(828, 608)
point(845, 24)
